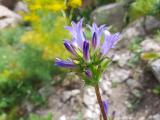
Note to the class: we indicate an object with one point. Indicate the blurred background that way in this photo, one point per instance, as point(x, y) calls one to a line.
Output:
point(31, 37)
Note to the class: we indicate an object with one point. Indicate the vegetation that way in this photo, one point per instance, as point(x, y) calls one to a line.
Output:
point(143, 8)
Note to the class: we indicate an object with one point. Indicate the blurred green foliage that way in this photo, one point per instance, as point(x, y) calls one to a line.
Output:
point(22, 71)
point(143, 8)
point(150, 56)
point(156, 90)
point(136, 49)
point(27, 53)
point(37, 117)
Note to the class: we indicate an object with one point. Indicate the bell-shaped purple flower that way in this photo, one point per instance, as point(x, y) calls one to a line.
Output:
point(88, 74)
point(109, 43)
point(98, 31)
point(69, 47)
point(86, 55)
point(77, 33)
point(64, 63)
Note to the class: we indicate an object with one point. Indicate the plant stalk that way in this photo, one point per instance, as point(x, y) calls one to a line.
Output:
point(100, 102)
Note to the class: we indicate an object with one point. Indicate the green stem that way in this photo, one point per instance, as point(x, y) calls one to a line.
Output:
point(100, 102)
point(71, 14)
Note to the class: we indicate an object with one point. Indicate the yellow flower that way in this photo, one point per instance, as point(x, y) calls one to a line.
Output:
point(75, 3)
point(6, 73)
point(56, 7)
point(35, 6)
point(31, 17)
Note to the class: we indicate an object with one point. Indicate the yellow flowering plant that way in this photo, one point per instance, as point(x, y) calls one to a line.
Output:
point(47, 18)
point(27, 53)
point(75, 3)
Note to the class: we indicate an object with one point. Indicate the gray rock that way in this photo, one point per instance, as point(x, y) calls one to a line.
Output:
point(119, 75)
point(89, 97)
point(8, 18)
point(122, 58)
point(108, 14)
point(92, 110)
point(132, 84)
point(20, 6)
point(28, 106)
point(151, 23)
point(8, 3)
point(90, 115)
point(142, 118)
point(156, 117)
point(136, 93)
point(106, 86)
point(68, 94)
point(136, 29)
point(63, 117)
point(45, 91)
point(155, 67)
point(150, 44)
point(133, 30)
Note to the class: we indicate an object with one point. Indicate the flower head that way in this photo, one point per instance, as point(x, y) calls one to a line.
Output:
point(89, 57)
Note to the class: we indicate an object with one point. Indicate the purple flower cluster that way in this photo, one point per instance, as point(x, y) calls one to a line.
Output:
point(87, 53)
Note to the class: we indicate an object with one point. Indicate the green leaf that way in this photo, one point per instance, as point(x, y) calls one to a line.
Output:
point(150, 56)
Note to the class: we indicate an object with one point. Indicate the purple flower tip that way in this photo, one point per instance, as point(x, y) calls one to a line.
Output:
point(86, 50)
point(88, 73)
point(66, 63)
point(69, 47)
point(94, 40)
point(77, 33)
point(105, 105)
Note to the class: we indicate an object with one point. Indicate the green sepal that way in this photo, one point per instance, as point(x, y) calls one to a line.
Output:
point(105, 63)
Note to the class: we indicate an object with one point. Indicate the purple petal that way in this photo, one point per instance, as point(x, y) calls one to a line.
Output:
point(80, 23)
point(68, 28)
point(98, 31)
point(95, 26)
point(94, 40)
point(77, 33)
point(69, 47)
point(88, 74)
point(74, 42)
point(105, 105)
point(106, 32)
point(109, 43)
point(86, 50)
point(66, 63)
point(106, 45)
point(115, 37)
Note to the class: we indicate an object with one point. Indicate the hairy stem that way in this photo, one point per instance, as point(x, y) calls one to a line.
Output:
point(100, 102)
